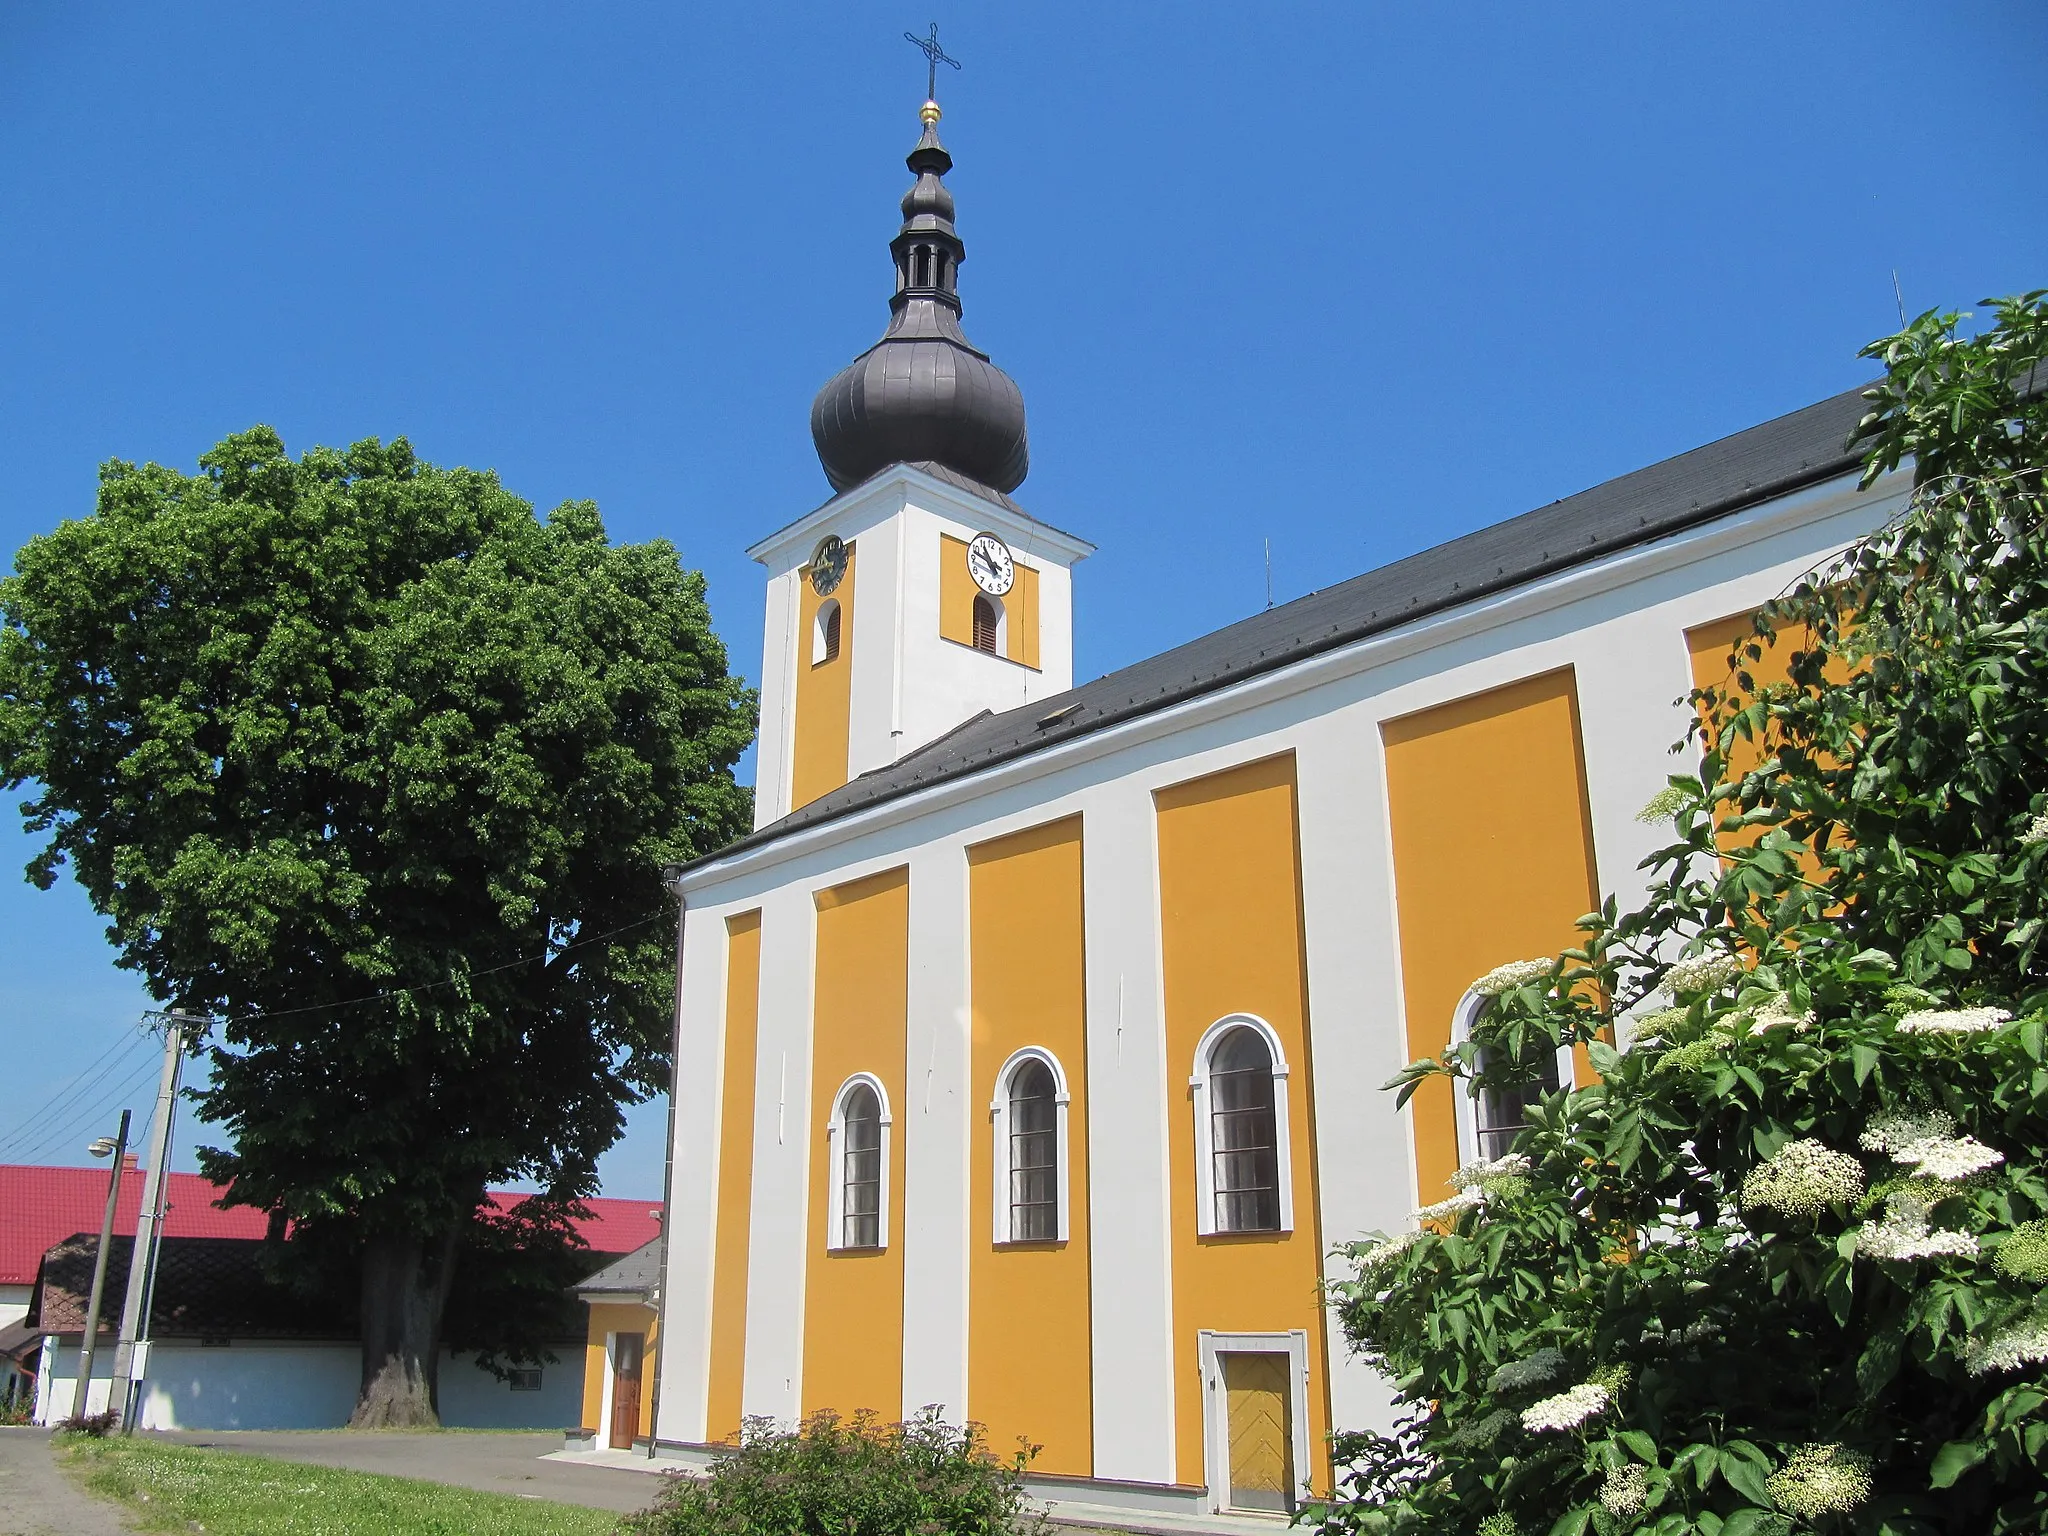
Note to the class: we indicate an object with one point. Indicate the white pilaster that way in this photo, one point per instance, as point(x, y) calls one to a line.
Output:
point(1130, 1258)
point(935, 1124)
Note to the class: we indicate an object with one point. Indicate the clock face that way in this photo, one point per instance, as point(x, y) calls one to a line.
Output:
point(828, 564)
point(989, 563)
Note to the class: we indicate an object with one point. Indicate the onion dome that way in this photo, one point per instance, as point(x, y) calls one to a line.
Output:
point(923, 392)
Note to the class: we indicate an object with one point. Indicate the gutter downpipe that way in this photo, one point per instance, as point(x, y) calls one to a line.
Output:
point(672, 877)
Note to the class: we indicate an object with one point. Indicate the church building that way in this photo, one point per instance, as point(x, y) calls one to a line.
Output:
point(1029, 1051)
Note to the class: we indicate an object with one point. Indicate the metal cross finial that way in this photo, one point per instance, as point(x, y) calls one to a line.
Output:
point(934, 56)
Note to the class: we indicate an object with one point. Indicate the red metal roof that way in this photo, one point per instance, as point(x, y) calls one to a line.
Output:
point(40, 1207)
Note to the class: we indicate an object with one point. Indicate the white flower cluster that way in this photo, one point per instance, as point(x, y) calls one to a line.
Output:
point(1898, 1128)
point(1803, 1179)
point(2037, 832)
point(1903, 1233)
point(1482, 1174)
point(1952, 1021)
point(1568, 1410)
point(1702, 973)
point(1446, 1210)
point(1381, 1254)
point(1779, 1013)
point(1820, 1480)
point(1624, 1492)
point(1516, 973)
point(1516, 1374)
point(1699, 1332)
point(1950, 1159)
point(2018, 1343)
point(1667, 803)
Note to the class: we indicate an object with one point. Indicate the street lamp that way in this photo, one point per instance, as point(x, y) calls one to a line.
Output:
point(116, 1147)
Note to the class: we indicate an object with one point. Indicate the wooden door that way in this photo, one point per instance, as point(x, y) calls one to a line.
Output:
point(627, 1350)
point(1259, 1410)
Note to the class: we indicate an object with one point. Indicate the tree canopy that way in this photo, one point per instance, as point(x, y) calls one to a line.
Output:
point(380, 769)
point(1781, 1268)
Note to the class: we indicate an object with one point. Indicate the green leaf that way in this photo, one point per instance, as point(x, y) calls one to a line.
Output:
point(1571, 1523)
point(1644, 1447)
point(1745, 1468)
point(1953, 1460)
point(1864, 1058)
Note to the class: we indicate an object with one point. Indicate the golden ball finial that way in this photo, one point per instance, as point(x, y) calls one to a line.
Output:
point(929, 113)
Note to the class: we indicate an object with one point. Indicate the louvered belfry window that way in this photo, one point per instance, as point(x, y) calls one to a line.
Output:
point(830, 647)
point(984, 625)
point(1243, 1136)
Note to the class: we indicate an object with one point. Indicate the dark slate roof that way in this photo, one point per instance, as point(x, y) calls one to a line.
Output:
point(637, 1273)
point(1801, 449)
point(211, 1287)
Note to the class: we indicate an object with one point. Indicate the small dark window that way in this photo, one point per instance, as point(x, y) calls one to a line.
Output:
point(828, 634)
point(1243, 1135)
point(527, 1380)
point(861, 1170)
point(985, 625)
point(1034, 1155)
point(1503, 1113)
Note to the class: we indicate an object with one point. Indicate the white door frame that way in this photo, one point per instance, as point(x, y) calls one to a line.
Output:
point(1216, 1410)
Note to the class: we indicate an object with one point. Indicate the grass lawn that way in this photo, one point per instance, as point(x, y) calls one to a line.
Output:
point(183, 1488)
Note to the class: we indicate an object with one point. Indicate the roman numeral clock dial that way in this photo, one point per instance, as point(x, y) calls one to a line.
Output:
point(989, 563)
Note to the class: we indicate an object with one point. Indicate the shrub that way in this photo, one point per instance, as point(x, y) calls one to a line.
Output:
point(97, 1426)
point(1781, 1269)
point(849, 1477)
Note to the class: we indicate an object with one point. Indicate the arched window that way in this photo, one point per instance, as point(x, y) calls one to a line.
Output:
point(857, 1207)
point(825, 634)
point(1028, 1117)
point(988, 623)
point(1489, 1122)
point(1243, 1171)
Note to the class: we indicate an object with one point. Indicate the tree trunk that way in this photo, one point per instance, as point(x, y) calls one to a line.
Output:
point(405, 1283)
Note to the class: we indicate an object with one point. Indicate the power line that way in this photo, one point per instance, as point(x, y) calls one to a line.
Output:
point(83, 1119)
point(113, 1060)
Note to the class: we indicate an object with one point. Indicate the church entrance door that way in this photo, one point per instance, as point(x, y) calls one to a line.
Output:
point(627, 1352)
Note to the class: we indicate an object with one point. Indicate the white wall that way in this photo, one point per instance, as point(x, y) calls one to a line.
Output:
point(252, 1385)
point(14, 1303)
point(1619, 623)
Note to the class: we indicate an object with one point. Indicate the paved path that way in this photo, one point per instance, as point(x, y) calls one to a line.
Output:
point(38, 1500)
point(496, 1463)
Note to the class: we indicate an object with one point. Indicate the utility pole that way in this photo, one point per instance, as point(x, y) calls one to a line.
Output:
point(101, 1148)
point(131, 1353)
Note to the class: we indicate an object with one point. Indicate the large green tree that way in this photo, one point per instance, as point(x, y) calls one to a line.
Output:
point(365, 760)
point(1782, 1269)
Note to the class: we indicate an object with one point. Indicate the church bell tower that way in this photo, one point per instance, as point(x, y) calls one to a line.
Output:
point(920, 595)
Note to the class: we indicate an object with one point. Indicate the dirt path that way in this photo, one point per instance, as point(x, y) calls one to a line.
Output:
point(38, 1500)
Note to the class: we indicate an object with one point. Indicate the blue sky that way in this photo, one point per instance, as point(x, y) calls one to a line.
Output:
point(1353, 278)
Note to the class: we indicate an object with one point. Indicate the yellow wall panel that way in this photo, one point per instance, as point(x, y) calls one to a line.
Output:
point(1028, 989)
point(853, 1300)
point(956, 592)
point(1493, 861)
point(735, 1173)
point(956, 604)
point(1023, 631)
point(1231, 942)
point(824, 693)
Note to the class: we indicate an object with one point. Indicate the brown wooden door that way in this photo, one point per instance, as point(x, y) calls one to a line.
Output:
point(627, 1349)
point(1260, 1408)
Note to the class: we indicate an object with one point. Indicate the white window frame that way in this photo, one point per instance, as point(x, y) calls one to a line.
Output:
point(1205, 1158)
point(1216, 1413)
point(825, 611)
point(835, 1184)
point(1470, 1006)
point(999, 1131)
